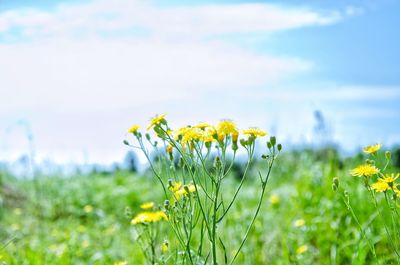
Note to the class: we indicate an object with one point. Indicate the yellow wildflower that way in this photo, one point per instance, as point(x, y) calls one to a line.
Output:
point(149, 217)
point(164, 246)
point(175, 186)
point(300, 250)
point(385, 183)
point(372, 149)
point(226, 127)
point(133, 129)
point(202, 126)
point(170, 148)
point(299, 223)
point(254, 132)
point(156, 121)
point(274, 199)
point(380, 186)
point(364, 170)
point(121, 263)
point(147, 205)
point(88, 208)
point(183, 191)
point(192, 134)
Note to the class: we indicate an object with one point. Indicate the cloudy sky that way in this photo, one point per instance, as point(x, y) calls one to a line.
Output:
point(79, 73)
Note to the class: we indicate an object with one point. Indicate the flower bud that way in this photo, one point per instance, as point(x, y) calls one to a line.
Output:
point(243, 142)
point(264, 156)
point(217, 162)
point(148, 136)
point(166, 204)
point(269, 145)
point(272, 139)
point(335, 184)
point(126, 142)
point(279, 147)
point(388, 155)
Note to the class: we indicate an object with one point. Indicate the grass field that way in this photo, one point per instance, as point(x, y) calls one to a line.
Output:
point(85, 219)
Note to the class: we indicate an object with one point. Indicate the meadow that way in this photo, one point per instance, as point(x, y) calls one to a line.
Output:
point(86, 219)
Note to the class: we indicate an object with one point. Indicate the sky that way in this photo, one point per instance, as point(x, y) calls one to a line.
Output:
point(76, 74)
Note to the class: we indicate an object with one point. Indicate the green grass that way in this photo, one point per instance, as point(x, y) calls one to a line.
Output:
point(45, 222)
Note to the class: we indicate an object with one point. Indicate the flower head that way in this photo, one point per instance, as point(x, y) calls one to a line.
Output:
point(202, 126)
point(156, 121)
point(300, 250)
point(149, 217)
point(147, 205)
point(226, 127)
point(364, 170)
point(299, 223)
point(274, 199)
point(133, 129)
point(380, 186)
point(254, 132)
point(372, 149)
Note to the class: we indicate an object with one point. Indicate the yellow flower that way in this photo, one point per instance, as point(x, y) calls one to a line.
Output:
point(372, 149)
point(147, 205)
point(300, 250)
point(274, 199)
point(121, 263)
point(380, 186)
point(390, 178)
point(182, 191)
point(226, 127)
point(175, 186)
point(192, 134)
point(299, 223)
point(164, 246)
point(133, 129)
point(202, 126)
point(385, 183)
point(364, 170)
point(88, 208)
point(254, 132)
point(156, 121)
point(170, 148)
point(149, 217)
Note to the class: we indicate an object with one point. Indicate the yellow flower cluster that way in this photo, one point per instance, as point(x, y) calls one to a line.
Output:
point(386, 183)
point(147, 205)
point(149, 217)
point(364, 171)
point(157, 120)
point(180, 190)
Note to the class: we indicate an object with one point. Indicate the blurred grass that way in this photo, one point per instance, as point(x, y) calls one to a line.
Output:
point(82, 219)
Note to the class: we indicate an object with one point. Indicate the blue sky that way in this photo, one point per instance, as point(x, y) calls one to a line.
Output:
point(80, 72)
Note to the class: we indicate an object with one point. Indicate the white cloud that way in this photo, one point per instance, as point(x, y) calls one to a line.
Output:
point(80, 89)
point(188, 21)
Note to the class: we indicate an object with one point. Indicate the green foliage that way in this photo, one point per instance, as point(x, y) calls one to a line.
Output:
point(86, 219)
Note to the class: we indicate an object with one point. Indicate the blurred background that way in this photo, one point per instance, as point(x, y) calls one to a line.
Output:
point(75, 75)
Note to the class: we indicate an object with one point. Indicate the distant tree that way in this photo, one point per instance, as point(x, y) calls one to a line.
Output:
point(131, 161)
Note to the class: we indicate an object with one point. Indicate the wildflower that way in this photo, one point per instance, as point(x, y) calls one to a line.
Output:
point(255, 132)
point(300, 250)
point(380, 186)
point(175, 186)
point(133, 129)
point(364, 170)
point(170, 149)
point(385, 183)
point(149, 217)
point(202, 126)
point(147, 205)
point(185, 190)
point(372, 149)
point(226, 127)
point(299, 223)
point(121, 263)
point(164, 246)
point(192, 134)
point(88, 208)
point(274, 199)
point(156, 121)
